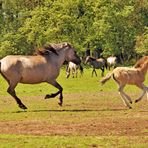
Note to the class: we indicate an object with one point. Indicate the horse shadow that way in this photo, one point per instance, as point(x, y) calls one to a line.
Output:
point(70, 110)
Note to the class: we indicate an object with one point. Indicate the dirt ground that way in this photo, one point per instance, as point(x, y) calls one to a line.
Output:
point(95, 128)
point(103, 126)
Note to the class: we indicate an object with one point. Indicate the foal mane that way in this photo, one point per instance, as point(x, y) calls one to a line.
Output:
point(140, 62)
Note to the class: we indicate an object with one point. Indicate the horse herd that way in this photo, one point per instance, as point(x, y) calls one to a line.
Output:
point(45, 64)
point(100, 63)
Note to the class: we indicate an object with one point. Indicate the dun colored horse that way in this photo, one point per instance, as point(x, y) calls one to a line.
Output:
point(42, 67)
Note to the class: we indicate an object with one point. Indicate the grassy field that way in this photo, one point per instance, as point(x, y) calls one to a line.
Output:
point(91, 116)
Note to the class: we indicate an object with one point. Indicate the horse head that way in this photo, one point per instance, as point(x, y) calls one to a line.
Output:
point(70, 54)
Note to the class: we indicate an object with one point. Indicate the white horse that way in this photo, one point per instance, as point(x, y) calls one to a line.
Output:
point(73, 68)
point(42, 67)
point(111, 62)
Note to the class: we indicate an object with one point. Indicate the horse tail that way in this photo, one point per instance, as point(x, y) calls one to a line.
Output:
point(106, 78)
point(81, 69)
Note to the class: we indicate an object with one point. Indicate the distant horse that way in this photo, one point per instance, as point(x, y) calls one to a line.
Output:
point(96, 64)
point(111, 62)
point(133, 76)
point(73, 68)
point(42, 67)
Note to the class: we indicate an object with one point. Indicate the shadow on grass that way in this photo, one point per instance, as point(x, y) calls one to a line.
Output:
point(71, 110)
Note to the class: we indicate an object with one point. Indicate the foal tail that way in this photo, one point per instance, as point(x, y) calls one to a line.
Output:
point(106, 78)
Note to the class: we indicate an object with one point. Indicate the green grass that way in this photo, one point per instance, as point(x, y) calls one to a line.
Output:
point(17, 141)
point(86, 103)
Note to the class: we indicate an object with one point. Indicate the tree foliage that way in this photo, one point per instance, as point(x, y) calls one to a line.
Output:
point(118, 27)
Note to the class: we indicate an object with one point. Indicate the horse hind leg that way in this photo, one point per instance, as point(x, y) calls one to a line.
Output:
point(11, 91)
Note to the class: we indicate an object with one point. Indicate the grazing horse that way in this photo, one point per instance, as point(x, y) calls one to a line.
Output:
point(73, 68)
point(42, 67)
point(96, 64)
point(111, 62)
point(132, 76)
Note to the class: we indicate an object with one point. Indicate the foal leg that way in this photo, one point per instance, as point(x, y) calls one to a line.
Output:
point(145, 90)
point(12, 92)
point(58, 86)
point(124, 96)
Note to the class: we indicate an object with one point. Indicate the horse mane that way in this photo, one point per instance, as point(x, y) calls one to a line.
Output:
point(45, 50)
point(92, 58)
point(140, 62)
point(51, 48)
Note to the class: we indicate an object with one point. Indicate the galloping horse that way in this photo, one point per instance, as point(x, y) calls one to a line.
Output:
point(96, 64)
point(42, 67)
point(133, 76)
point(73, 68)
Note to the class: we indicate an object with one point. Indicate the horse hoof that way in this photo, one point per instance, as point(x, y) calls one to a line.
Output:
point(136, 101)
point(49, 96)
point(22, 106)
point(60, 103)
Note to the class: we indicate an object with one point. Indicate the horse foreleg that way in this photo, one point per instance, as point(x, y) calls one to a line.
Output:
point(12, 92)
point(145, 90)
point(58, 86)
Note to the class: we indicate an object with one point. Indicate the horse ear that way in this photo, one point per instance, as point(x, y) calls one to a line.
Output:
point(65, 44)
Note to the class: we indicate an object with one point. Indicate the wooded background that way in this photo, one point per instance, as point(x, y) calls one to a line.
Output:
point(118, 27)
